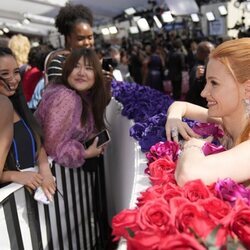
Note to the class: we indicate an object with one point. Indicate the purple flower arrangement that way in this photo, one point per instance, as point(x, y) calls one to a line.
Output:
point(147, 107)
point(229, 190)
point(140, 102)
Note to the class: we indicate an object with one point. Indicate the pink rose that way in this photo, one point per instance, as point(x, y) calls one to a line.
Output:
point(154, 216)
point(240, 222)
point(191, 216)
point(151, 193)
point(180, 242)
point(171, 190)
point(195, 190)
point(229, 190)
point(167, 149)
point(215, 207)
point(210, 148)
point(125, 219)
point(144, 240)
point(160, 170)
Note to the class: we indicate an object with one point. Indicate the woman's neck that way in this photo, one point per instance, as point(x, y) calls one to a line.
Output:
point(235, 126)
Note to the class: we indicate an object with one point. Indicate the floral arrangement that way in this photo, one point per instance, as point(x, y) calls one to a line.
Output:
point(167, 216)
point(194, 216)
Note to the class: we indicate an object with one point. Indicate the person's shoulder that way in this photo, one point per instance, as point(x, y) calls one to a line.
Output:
point(6, 105)
point(4, 100)
point(57, 54)
point(62, 92)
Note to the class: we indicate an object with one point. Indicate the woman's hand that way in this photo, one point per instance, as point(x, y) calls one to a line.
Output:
point(49, 186)
point(108, 76)
point(29, 179)
point(48, 183)
point(175, 126)
point(93, 150)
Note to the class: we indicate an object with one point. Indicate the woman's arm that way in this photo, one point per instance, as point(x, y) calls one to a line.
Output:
point(179, 110)
point(6, 130)
point(48, 183)
point(193, 164)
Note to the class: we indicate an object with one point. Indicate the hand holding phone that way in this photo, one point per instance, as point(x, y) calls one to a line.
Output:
point(107, 63)
point(103, 138)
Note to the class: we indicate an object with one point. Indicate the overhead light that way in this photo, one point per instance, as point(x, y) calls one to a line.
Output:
point(38, 18)
point(35, 44)
point(223, 10)
point(105, 31)
point(158, 22)
point(6, 30)
point(210, 16)
point(136, 18)
point(26, 21)
point(195, 18)
point(248, 6)
point(130, 11)
point(60, 3)
point(113, 30)
point(133, 30)
point(237, 4)
point(143, 25)
point(167, 17)
point(1, 33)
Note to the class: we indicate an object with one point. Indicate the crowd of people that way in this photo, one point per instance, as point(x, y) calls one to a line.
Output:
point(68, 91)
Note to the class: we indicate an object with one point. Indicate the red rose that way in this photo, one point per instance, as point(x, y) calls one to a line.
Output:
point(215, 207)
point(191, 216)
point(195, 190)
point(180, 242)
point(160, 170)
point(151, 193)
point(144, 240)
point(125, 219)
point(171, 190)
point(217, 210)
point(240, 223)
point(154, 216)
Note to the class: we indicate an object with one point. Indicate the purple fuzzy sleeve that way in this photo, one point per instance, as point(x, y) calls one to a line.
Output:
point(59, 114)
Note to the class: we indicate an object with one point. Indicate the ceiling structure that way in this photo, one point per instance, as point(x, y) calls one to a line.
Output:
point(13, 12)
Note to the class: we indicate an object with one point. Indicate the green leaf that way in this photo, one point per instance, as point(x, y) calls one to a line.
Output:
point(130, 232)
point(211, 238)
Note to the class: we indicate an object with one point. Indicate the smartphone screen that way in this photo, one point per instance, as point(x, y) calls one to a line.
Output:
point(106, 61)
point(103, 139)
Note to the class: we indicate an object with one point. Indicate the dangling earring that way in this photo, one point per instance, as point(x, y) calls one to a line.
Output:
point(246, 102)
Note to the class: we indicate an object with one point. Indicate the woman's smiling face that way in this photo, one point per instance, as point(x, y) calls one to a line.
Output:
point(82, 77)
point(222, 92)
point(10, 73)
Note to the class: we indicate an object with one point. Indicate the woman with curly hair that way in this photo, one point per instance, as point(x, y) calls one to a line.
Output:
point(20, 46)
point(75, 23)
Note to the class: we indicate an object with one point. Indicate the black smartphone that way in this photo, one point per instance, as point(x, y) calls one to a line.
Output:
point(106, 61)
point(103, 136)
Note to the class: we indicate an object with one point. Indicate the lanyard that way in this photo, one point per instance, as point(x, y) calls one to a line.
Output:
point(32, 143)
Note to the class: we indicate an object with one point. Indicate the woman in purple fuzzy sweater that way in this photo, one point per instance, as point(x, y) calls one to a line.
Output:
point(72, 110)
